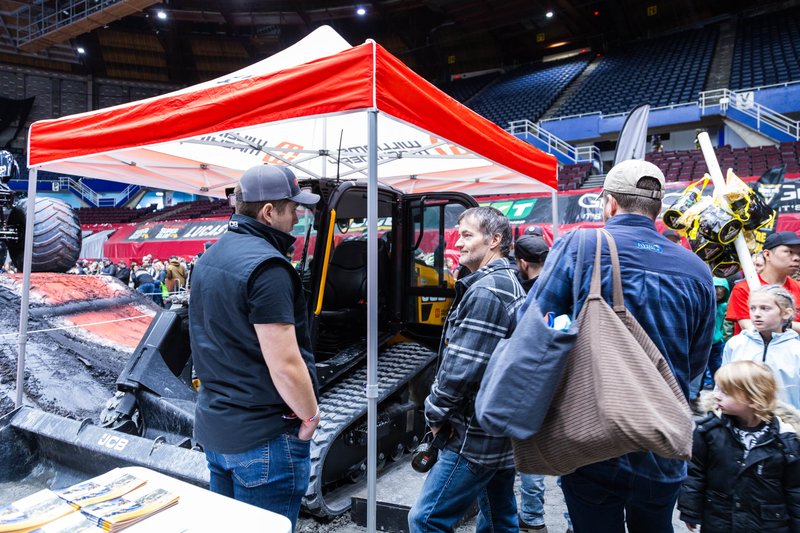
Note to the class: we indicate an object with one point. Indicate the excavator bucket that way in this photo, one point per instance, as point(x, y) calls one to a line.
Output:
point(47, 449)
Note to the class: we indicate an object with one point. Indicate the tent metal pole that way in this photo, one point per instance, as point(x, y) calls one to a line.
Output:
point(554, 204)
point(22, 340)
point(372, 320)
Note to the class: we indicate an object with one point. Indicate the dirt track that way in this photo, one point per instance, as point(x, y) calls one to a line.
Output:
point(70, 372)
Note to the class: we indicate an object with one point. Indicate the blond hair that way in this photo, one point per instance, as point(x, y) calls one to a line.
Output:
point(751, 383)
point(782, 298)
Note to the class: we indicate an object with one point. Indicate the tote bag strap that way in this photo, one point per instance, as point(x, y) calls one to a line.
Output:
point(596, 286)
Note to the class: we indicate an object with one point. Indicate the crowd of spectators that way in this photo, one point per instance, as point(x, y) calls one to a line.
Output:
point(150, 276)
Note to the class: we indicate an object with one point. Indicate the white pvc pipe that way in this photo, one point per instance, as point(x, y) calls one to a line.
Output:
point(719, 188)
point(27, 255)
point(554, 203)
point(372, 320)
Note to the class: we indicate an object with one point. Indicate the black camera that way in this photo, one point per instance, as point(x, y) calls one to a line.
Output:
point(427, 453)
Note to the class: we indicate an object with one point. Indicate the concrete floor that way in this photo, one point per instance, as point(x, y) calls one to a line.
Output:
point(400, 484)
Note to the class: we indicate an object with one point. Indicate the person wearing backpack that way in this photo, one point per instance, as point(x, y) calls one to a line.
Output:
point(669, 291)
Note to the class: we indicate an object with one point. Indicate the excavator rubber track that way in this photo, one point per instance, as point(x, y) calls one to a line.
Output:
point(346, 403)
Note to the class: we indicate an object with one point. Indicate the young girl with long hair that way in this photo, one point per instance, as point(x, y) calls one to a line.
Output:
point(771, 341)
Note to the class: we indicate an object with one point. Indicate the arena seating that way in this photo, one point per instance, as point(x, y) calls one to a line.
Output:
point(767, 50)
point(181, 211)
point(644, 73)
point(689, 165)
point(527, 92)
point(464, 89)
point(111, 215)
point(571, 177)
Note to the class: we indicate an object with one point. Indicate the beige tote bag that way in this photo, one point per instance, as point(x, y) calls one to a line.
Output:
point(617, 394)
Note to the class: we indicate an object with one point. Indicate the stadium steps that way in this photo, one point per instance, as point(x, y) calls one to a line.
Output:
point(574, 86)
point(719, 74)
point(594, 182)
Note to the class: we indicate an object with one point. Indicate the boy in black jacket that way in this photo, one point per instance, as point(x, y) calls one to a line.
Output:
point(745, 468)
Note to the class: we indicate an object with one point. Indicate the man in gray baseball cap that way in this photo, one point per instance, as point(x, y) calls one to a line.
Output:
point(252, 350)
point(268, 182)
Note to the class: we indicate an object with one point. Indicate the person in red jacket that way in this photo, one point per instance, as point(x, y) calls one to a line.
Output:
point(781, 261)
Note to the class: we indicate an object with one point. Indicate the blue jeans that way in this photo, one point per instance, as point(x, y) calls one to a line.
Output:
point(451, 487)
point(273, 476)
point(602, 498)
point(531, 499)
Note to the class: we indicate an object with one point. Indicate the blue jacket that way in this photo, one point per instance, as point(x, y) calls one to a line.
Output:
point(782, 355)
point(667, 288)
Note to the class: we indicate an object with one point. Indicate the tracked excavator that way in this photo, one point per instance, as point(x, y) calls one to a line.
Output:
point(149, 420)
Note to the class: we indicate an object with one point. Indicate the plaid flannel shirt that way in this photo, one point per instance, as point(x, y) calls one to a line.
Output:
point(483, 313)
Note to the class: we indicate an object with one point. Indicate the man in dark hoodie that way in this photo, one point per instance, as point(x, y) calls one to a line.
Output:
point(530, 251)
point(123, 272)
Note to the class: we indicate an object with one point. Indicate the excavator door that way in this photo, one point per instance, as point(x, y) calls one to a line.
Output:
point(430, 261)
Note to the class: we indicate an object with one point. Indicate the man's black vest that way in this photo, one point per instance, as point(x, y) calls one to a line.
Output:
point(238, 406)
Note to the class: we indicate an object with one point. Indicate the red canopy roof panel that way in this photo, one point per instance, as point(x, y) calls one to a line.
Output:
point(200, 139)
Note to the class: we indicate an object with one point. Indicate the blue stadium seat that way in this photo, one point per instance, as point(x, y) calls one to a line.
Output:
point(645, 73)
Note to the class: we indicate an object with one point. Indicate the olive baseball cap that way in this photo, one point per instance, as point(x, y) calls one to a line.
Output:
point(624, 177)
point(263, 183)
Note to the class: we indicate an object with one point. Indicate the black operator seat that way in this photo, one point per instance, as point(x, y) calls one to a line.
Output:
point(346, 283)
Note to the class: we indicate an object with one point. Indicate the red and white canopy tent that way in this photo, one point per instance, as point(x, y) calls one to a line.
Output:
point(297, 108)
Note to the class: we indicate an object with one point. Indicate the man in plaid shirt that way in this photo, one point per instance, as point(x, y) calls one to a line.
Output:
point(473, 464)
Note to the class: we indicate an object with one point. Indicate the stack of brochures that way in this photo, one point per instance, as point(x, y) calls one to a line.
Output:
point(72, 523)
point(119, 513)
point(33, 511)
point(110, 502)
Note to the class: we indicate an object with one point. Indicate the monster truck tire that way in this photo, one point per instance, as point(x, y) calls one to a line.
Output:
point(56, 236)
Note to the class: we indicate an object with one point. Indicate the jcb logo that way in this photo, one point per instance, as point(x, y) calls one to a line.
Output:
point(110, 441)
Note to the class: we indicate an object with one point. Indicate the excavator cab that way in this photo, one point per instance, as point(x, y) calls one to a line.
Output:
point(149, 420)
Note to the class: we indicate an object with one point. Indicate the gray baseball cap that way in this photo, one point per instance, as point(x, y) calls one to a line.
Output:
point(624, 176)
point(269, 182)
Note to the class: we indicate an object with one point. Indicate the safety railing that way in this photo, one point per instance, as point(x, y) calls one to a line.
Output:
point(761, 115)
point(41, 18)
point(554, 145)
point(78, 188)
point(127, 194)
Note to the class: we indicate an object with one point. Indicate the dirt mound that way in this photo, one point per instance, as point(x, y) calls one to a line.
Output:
point(82, 330)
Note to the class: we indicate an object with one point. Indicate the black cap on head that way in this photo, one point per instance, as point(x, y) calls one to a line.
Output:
point(787, 238)
point(263, 183)
point(531, 248)
point(533, 230)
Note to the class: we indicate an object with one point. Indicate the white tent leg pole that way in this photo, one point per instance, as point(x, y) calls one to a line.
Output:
point(372, 320)
point(26, 285)
point(554, 205)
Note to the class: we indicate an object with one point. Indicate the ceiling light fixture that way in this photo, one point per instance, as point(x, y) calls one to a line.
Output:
point(81, 50)
point(162, 14)
point(361, 11)
point(549, 14)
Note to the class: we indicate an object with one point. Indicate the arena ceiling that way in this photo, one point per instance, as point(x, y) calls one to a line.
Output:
point(202, 39)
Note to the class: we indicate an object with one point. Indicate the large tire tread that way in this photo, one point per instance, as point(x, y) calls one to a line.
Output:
point(56, 236)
